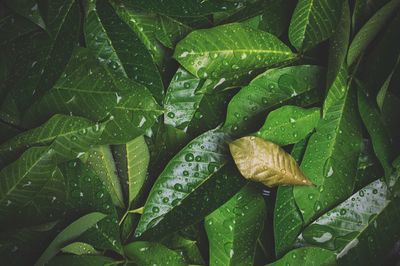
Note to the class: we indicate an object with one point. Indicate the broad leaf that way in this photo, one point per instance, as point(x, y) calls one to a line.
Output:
point(128, 105)
point(87, 193)
point(100, 160)
point(233, 48)
point(28, 9)
point(40, 58)
point(79, 248)
point(193, 184)
point(185, 246)
point(381, 141)
point(312, 256)
point(32, 180)
point(148, 253)
point(354, 228)
point(370, 30)
point(313, 22)
point(170, 31)
point(71, 232)
point(339, 44)
point(276, 16)
point(115, 44)
point(289, 124)
point(265, 162)
point(132, 161)
point(296, 85)
point(331, 158)
point(288, 221)
point(233, 229)
point(191, 105)
point(145, 26)
point(363, 10)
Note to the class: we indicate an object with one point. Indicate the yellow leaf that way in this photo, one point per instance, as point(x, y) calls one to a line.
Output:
point(263, 161)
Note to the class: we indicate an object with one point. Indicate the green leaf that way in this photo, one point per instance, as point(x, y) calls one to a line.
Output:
point(233, 48)
point(71, 232)
point(115, 44)
point(79, 248)
point(22, 246)
point(381, 141)
point(81, 260)
point(289, 124)
point(288, 221)
point(233, 229)
point(25, 183)
point(363, 10)
point(28, 9)
point(186, 8)
point(186, 247)
point(331, 158)
point(313, 22)
point(56, 126)
point(313, 256)
point(40, 58)
point(193, 184)
point(87, 193)
point(191, 105)
point(354, 228)
point(145, 27)
point(148, 253)
point(100, 160)
point(132, 161)
point(133, 110)
point(370, 30)
point(339, 45)
point(170, 31)
point(296, 85)
point(276, 16)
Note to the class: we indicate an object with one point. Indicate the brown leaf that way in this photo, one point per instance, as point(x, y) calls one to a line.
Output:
point(263, 161)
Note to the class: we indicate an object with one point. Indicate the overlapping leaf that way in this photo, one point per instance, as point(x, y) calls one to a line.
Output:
point(330, 161)
point(233, 229)
point(118, 46)
point(224, 50)
point(296, 85)
point(313, 22)
point(193, 184)
point(289, 124)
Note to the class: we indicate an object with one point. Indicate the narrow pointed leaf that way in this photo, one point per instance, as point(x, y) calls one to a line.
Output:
point(195, 176)
point(28, 9)
point(72, 231)
point(132, 161)
point(354, 228)
point(313, 22)
point(263, 161)
point(297, 85)
point(289, 124)
point(331, 158)
point(233, 229)
point(114, 43)
point(79, 248)
point(170, 31)
point(233, 48)
point(129, 106)
point(101, 161)
point(370, 30)
point(339, 44)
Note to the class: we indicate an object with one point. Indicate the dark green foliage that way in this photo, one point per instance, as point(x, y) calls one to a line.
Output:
point(116, 115)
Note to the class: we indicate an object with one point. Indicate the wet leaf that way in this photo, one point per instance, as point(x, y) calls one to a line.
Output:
point(263, 161)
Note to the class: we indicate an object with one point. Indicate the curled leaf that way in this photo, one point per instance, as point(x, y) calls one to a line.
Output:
point(263, 161)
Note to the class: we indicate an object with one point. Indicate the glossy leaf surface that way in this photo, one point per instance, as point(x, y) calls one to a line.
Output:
point(263, 161)
point(233, 229)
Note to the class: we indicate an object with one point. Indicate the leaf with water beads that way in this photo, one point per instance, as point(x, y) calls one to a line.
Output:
point(263, 161)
